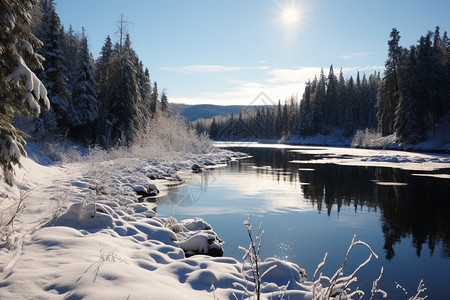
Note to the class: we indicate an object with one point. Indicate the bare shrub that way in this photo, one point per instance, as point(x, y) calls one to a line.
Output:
point(11, 212)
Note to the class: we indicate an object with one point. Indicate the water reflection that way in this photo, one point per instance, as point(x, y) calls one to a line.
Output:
point(417, 206)
point(409, 205)
point(312, 208)
point(418, 209)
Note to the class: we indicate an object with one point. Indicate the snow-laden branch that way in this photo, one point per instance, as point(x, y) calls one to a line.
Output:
point(35, 88)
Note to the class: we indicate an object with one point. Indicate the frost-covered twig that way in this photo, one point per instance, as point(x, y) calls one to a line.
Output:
point(420, 289)
point(252, 255)
point(375, 288)
point(338, 285)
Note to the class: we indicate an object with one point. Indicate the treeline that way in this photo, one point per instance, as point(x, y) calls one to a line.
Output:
point(328, 102)
point(411, 99)
point(109, 101)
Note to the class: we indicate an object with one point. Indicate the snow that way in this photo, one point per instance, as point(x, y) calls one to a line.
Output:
point(415, 161)
point(375, 158)
point(75, 241)
point(32, 83)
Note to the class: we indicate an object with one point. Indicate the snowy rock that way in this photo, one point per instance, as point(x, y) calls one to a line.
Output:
point(196, 168)
point(202, 243)
point(150, 191)
point(195, 236)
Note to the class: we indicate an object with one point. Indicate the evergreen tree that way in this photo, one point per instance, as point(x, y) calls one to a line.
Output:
point(319, 105)
point(331, 114)
point(305, 104)
point(101, 63)
point(350, 122)
point(278, 121)
point(293, 116)
point(121, 102)
point(388, 96)
point(410, 113)
point(70, 44)
point(373, 83)
point(341, 106)
point(20, 90)
point(285, 129)
point(213, 131)
point(154, 99)
point(164, 102)
point(103, 88)
point(84, 102)
point(54, 75)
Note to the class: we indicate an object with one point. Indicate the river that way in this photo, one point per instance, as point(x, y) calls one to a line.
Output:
point(308, 209)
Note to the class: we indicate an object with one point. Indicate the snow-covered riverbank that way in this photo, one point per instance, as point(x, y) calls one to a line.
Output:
point(83, 233)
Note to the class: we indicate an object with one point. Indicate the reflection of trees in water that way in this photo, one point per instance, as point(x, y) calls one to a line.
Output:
point(278, 160)
point(419, 210)
point(332, 185)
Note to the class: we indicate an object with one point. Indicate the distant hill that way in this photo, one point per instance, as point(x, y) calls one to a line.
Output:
point(206, 111)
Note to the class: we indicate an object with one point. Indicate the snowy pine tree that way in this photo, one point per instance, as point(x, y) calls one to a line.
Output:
point(331, 116)
point(410, 113)
point(164, 101)
point(388, 95)
point(70, 42)
point(54, 75)
point(122, 99)
point(84, 103)
point(20, 90)
point(154, 99)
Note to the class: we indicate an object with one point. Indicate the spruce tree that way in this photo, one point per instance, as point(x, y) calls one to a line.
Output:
point(304, 110)
point(351, 112)
point(410, 113)
point(331, 113)
point(120, 127)
point(70, 42)
point(20, 90)
point(388, 96)
point(164, 102)
point(341, 105)
point(278, 121)
point(84, 102)
point(54, 75)
point(154, 99)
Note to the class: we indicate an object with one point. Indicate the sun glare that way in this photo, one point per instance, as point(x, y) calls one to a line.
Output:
point(293, 15)
point(290, 15)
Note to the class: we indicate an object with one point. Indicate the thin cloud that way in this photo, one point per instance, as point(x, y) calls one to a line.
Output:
point(209, 69)
point(300, 74)
point(279, 84)
point(362, 69)
point(354, 55)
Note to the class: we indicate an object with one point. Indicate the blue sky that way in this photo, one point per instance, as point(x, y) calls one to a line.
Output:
point(228, 52)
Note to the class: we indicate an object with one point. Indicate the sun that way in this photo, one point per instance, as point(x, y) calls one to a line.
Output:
point(293, 14)
point(290, 15)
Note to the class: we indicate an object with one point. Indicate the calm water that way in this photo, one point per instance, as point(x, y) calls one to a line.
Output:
point(310, 209)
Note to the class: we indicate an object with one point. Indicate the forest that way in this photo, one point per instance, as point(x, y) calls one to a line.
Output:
point(410, 99)
point(53, 89)
point(108, 101)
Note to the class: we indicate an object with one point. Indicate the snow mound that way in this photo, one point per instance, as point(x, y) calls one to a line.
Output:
point(195, 236)
point(84, 235)
point(99, 251)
